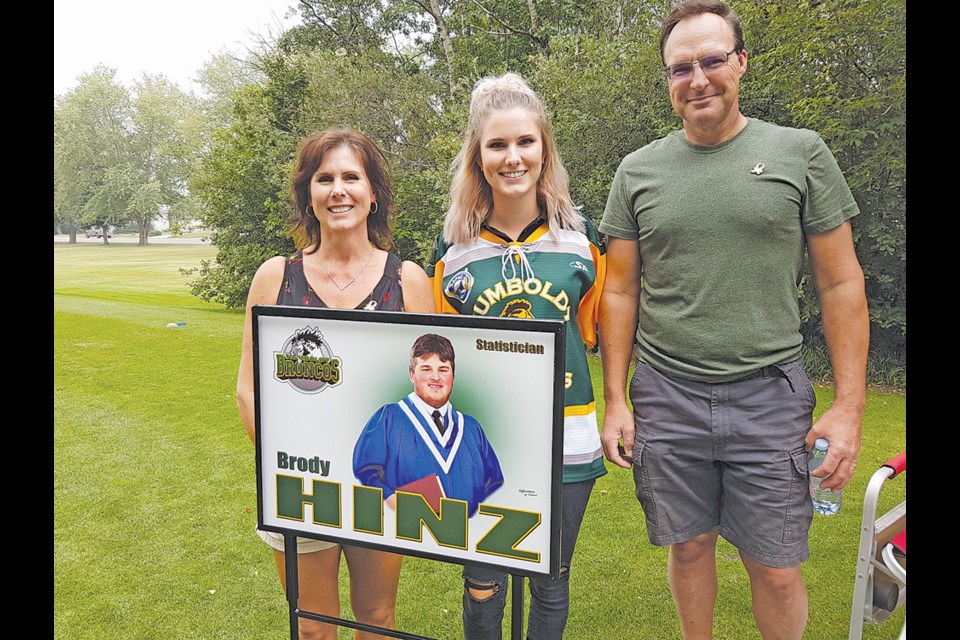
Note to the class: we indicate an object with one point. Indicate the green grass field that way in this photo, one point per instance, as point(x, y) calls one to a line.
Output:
point(155, 503)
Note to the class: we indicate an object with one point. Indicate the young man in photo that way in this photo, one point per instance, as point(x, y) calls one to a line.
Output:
point(422, 439)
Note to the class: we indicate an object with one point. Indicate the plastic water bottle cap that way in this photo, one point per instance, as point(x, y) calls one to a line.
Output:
point(821, 444)
point(181, 324)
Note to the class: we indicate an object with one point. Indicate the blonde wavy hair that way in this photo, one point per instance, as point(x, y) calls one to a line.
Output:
point(471, 200)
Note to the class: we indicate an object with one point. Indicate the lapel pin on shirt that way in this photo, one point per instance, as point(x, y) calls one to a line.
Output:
point(757, 169)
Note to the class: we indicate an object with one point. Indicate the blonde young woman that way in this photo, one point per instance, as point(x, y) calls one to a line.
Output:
point(343, 199)
point(511, 218)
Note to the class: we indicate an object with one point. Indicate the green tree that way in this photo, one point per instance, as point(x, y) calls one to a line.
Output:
point(161, 151)
point(244, 179)
point(839, 67)
point(90, 126)
point(220, 77)
point(240, 183)
point(617, 104)
point(121, 159)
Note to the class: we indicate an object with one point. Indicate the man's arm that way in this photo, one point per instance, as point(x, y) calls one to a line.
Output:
point(618, 326)
point(846, 326)
point(371, 452)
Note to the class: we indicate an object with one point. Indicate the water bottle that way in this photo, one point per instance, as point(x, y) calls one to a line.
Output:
point(825, 501)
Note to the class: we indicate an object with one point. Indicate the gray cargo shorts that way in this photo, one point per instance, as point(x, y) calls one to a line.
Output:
point(728, 455)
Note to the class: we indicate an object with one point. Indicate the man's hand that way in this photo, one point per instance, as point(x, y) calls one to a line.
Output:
point(617, 434)
point(841, 426)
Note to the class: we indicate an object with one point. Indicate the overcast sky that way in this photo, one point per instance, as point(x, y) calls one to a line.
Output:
point(172, 37)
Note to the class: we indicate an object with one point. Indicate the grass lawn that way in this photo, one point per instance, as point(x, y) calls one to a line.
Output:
point(155, 503)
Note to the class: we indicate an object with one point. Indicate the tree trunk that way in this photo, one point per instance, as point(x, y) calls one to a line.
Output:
point(144, 234)
point(444, 38)
point(534, 20)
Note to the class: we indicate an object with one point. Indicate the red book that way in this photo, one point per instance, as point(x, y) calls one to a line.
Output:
point(429, 487)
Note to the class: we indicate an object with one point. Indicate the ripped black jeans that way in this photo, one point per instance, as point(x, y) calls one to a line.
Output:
point(549, 599)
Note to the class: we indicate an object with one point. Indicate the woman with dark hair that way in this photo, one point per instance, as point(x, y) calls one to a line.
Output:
point(343, 199)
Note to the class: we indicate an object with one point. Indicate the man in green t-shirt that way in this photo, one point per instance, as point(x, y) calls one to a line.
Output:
point(708, 229)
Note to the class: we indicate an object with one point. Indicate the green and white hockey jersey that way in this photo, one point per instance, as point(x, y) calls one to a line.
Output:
point(547, 277)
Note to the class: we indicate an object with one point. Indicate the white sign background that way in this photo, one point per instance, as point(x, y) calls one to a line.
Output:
point(513, 395)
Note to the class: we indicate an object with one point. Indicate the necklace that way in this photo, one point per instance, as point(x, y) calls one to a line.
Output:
point(362, 269)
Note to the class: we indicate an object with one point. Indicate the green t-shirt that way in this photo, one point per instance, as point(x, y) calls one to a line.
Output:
point(722, 234)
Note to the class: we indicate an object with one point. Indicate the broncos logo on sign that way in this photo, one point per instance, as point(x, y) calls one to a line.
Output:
point(306, 362)
point(459, 285)
point(306, 342)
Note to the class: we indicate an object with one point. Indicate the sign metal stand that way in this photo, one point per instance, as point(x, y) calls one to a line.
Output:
point(293, 594)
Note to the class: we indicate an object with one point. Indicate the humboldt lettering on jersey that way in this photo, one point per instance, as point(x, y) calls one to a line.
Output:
point(307, 363)
point(450, 528)
point(307, 465)
point(514, 287)
point(511, 347)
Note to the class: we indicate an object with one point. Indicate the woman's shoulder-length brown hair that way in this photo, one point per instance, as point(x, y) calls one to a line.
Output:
point(305, 228)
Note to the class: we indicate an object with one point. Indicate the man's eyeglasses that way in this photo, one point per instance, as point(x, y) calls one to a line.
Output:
point(683, 70)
